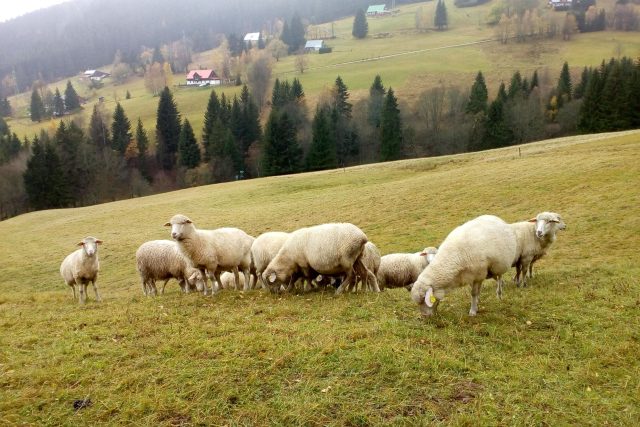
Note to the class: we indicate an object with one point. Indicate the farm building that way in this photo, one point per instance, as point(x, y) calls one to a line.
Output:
point(252, 37)
point(313, 45)
point(560, 4)
point(202, 78)
point(96, 75)
point(377, 10)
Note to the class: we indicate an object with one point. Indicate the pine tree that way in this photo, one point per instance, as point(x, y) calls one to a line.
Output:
point(98, 131)
point(44, 179)
point(251, 119)
point(376, 100)
point(167, 130)
point(232, 154)
point(580, 89)
point(391, 127)
point(589, 118)
point(516, 86)
point(285, 36)
point(502, 93)
point(120, 130)
point(281, 153)
point(497, 133)
point(614, 104)
point(297, 33)
point(188, 150)
point(360, 25)
point(210, 116)
point(534, 81)
point(71, 98)
point(5, 107)
point(297, 92)
point(142, 141)
point(78, 170)
point(37, 106)
point(322, 152)
point(341, 99)
point(479, 96)
point(441, 19)
point(58, 104)
point(564, 88)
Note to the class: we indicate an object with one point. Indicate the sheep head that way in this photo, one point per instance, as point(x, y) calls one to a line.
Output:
point(181, 226)
point(90, 245)
point(426, 296)
point(429, 252)
point(547, 223)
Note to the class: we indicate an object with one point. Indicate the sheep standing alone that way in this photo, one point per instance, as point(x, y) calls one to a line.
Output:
point(534, 237)
point(222, 249)
point(402, 269)
point(482, 248)
point(163, 260)
point(327, 249)
point(81, 267)
point(264, 249)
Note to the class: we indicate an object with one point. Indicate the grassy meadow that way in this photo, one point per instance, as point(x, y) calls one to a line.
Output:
point(563, 351)
point(451, 57)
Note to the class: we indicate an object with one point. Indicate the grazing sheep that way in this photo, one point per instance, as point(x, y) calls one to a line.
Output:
point(480, 249)
point(264, 249)
point(371, 260)
point(81, 267)
point(227, 280)
point(402, 269)
point(222, 249)
point(327, 249)
point(534, 238)
point(163, 260)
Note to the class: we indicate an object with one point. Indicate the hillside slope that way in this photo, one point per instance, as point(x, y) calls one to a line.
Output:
point(563, 351)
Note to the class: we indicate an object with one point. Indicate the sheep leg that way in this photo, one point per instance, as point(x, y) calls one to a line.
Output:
point(346, 283)
point(247, 280)
point(95, 289)
point(530, 270)
point(236, 276)
point(475, 298)
point(73, 289)
point(218, 282)
point(499, 283)
point(516, 278)
point(81, 290)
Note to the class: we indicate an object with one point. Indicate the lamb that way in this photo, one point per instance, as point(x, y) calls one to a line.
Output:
point(480, 249)
point(327, 249)
point(227, 280)
point(402, 269)
point(163, 260)
point(222, 249)
point(371, 260)
point(264, 249)
point(81, 267)
point(534, 238)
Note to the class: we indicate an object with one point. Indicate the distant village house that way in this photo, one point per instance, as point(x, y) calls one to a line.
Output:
point(313, 45)
point(252, 38)
point(203, 78)
point(96, 75)
point(560, 4)
point(377, 10)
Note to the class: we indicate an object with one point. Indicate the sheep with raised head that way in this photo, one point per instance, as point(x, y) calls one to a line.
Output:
point(534, 238)
point(480, 249)
point(163, 260)
point(401, 270)
point(81, 267)
point(264, 248)
point(328, 249)
point(222, 249)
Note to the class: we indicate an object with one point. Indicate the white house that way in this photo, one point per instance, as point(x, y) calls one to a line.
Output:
point(377, 10)
point(313, 45)
point(203, 78)
point(252, 37)
point(96, 75)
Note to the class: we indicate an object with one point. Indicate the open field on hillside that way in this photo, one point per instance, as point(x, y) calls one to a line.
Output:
point(447, 57)
point(563, 351)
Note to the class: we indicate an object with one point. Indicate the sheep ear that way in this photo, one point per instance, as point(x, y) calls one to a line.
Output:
point(272, 277)
point(533, 220)
point(188, 221)
point(423, 254)
point(168, 224)
point(80, 244)
point(193, 276)
point(98, 241)
point(429, 298)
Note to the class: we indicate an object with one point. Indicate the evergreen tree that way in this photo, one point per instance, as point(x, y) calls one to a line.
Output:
point(281, 153)
point(534, 81)
point(590, 109)
point(71, 98)
point(210, 116)
point(497, 133)
point(44, 179)
point(615, 102)
point(98, 131)
point(391, 127)
point(564, 88)
point(502, 93)
point(322, 152)
point(167, 130)
point(360, 25)
point(120, 130)
point(251, 119)
point(580, 89)
point(142, 142)
point(77, 168)
point(341, 99)
point(58, 104)
point(37, 106)
point(297, 92)
point(516, 88)
point(5, 107)
point(285, 36)
point(376, 100)
point(296, 33)
point(479, 96)
point(188, 150)
point(232, 154)
point(441, 19)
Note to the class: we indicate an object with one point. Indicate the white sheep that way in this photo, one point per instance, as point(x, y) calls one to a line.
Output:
point(371, 260)
point(163, 260)
point(227, 280)
point(222, 249)
point(264, 249)
point(482, 248)
point(534, 237)
point(402, 269)
point(81, 267)
point(327, 249)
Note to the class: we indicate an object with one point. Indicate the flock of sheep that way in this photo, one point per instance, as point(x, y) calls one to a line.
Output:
point(338, 255)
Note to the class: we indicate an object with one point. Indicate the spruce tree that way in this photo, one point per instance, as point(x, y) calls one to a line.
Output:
point(580, 89)
point(58, 104)
point(296, 33)
point(167, 130)
point(285, 36)
point(564, 88)
point(78, 170)
point(120, 130)
point(497, 132)
point(250, 119)
point(322, 152)
point(502, 93)
point(281, 153)
point(188, 150)
point(534, 81)
point(441, 20)
point(391, 127)
point(478, 97)
point(589, 118)
point(516, 88)
point(5, 107)
point(210, 116)
point(37, 106)
point(71, 98)
point(98, 131)
point(360, 25)
point(142, 142)
point(43, 178)
point(615, 102)
point(297, 92)
point(376, 100)
point(341, 99)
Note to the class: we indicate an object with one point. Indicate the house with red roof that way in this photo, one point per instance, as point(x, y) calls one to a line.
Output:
point(202, 78)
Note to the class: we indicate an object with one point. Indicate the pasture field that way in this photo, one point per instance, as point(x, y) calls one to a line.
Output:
point(450, 58)
point(563, 351)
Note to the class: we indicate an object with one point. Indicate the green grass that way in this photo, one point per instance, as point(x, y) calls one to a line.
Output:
point(562, 352)
point(409, 75)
